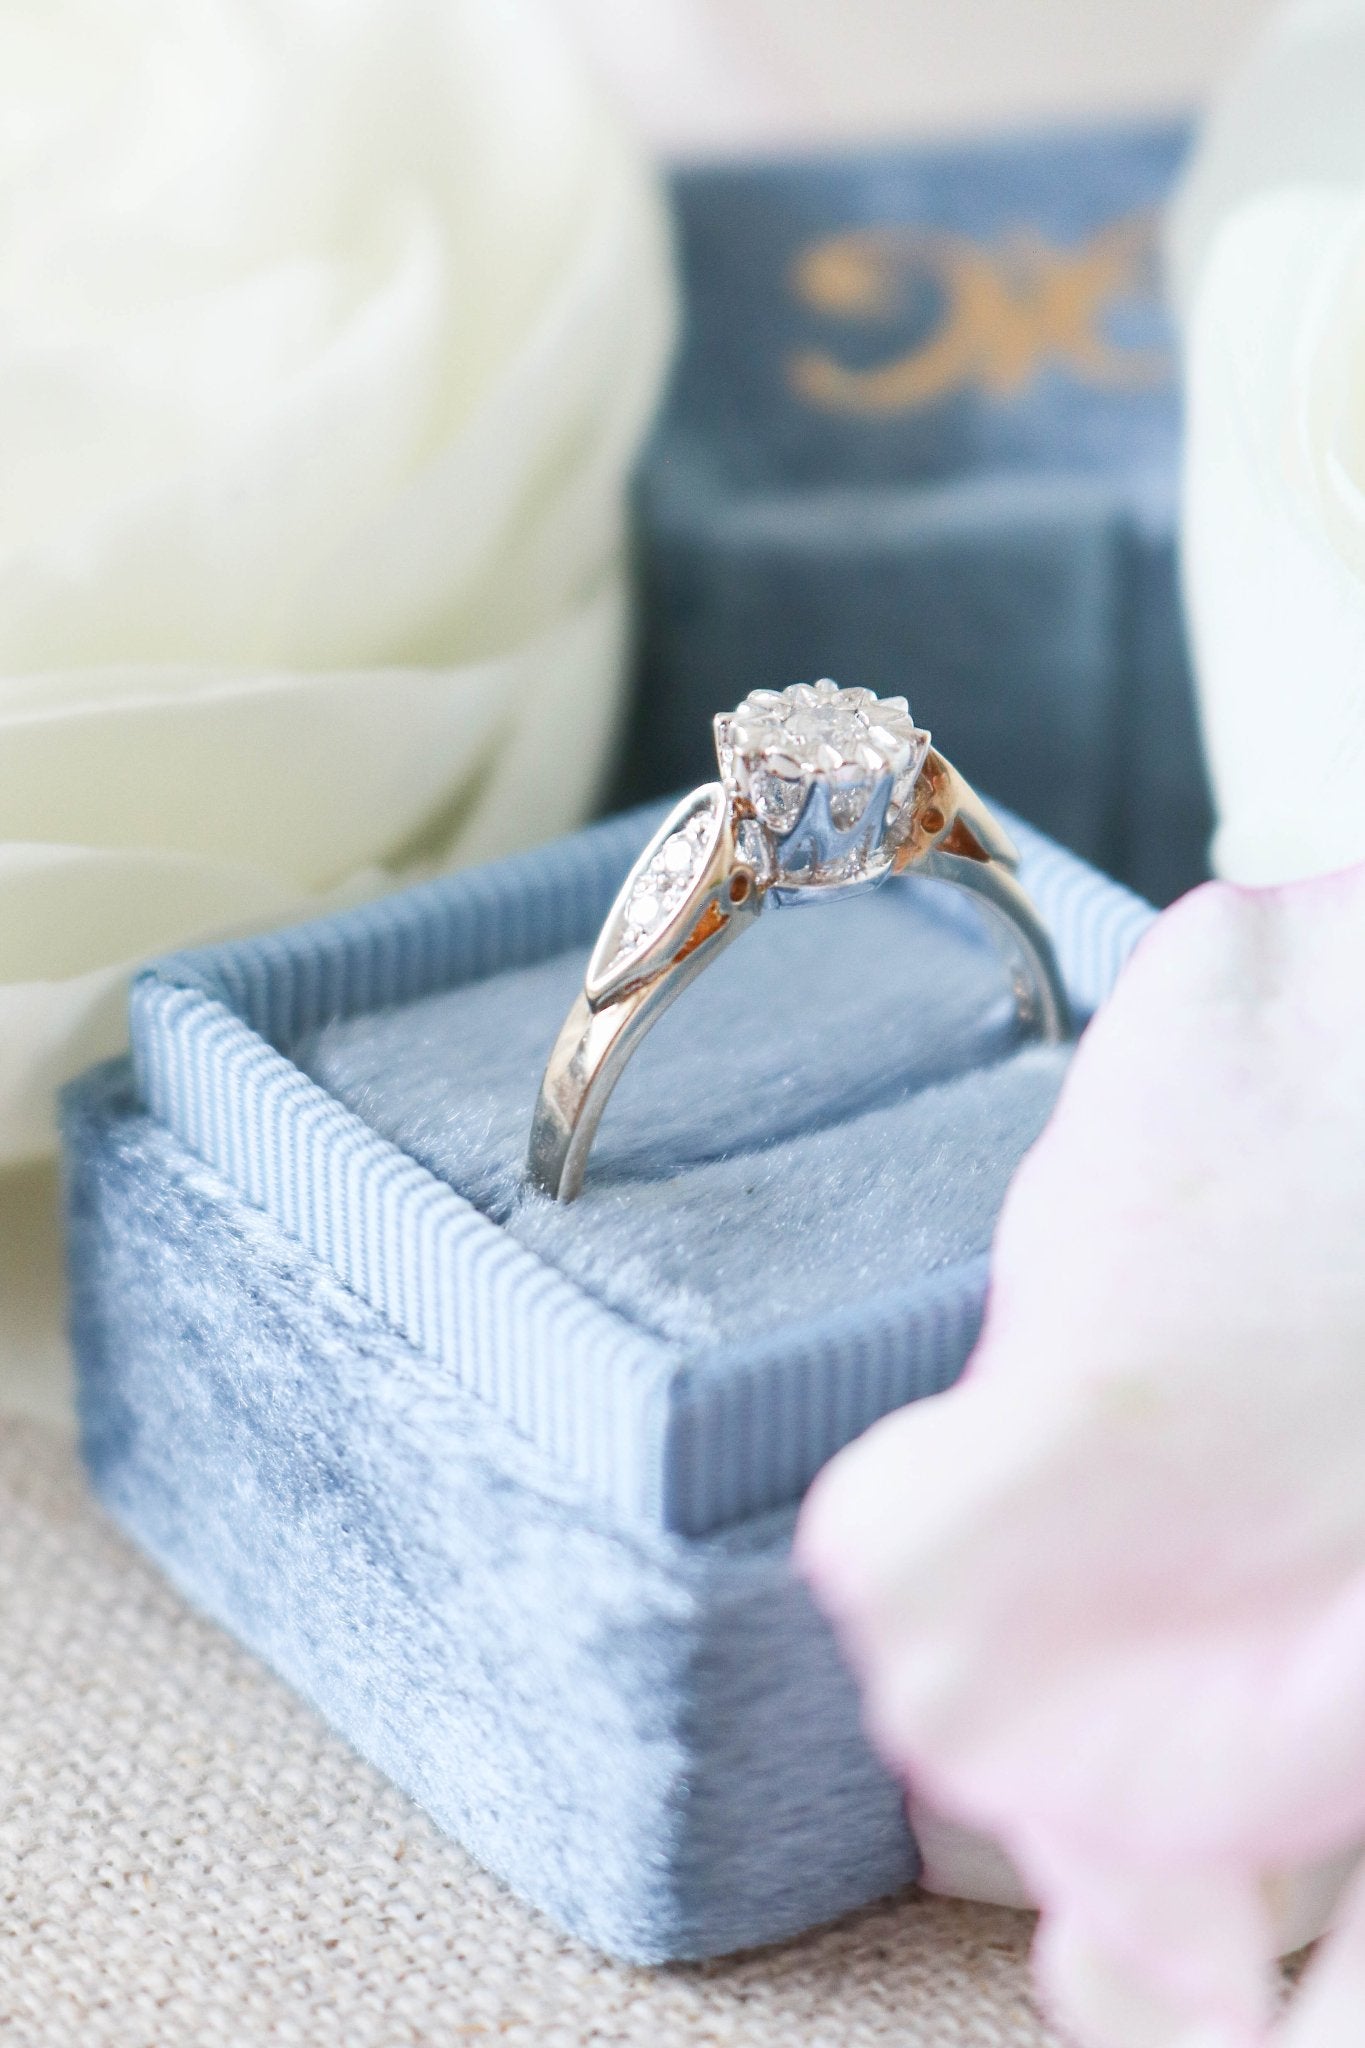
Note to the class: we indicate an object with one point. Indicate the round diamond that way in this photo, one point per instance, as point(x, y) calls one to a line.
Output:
point(644, 909)
point(777, 798)
point(846, 805)
point(678, 855)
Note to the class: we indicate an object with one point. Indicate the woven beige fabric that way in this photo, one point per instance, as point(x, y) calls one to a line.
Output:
point(188, 1859)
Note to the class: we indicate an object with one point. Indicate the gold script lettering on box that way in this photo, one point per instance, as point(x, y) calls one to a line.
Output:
point(1008, 311)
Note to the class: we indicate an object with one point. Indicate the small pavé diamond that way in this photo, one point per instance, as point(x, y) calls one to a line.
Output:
point(642, 914)
point(753, 848)
point(663, 880)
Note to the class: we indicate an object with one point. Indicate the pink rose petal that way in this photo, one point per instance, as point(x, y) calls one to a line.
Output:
point(1107, 1596)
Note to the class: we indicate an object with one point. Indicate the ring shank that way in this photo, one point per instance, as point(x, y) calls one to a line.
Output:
point(597, 1039)
point(589, 1055)
point(1022, 937)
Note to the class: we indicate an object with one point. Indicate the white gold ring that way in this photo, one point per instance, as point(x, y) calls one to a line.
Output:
point(823, 793)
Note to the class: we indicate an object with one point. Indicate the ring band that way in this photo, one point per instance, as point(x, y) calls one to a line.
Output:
point(823, 793)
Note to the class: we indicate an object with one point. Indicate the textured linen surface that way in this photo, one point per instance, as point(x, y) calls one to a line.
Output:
point(188, 1859)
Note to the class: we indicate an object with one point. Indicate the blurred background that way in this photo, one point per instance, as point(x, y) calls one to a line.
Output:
point(923, 431)
point(712, 77)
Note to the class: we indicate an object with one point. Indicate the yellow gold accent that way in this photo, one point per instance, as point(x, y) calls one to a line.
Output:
point(706, 927)
point(1010, 310)
point(963, 842)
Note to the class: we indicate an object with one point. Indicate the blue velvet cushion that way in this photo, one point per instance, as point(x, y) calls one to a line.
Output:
point(507, 1487)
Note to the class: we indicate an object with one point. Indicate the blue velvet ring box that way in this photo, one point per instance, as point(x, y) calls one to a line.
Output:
point(507, 1488)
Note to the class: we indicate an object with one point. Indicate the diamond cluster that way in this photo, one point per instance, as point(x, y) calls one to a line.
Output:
point(864, 751)
point(661, 883)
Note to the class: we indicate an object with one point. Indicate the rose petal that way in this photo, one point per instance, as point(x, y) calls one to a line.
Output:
point(1274, 534)
point(65, 910)
point(302, 777)
point(303, 341)
point(305, 777)
point(1289, 114)
point(1108, 1594)
point(959, 1862)
point(1326, 2013)
point(405, 770)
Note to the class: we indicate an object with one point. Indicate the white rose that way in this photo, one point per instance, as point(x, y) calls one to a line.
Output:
point(328, 331)
point(1292, 113)
point(1268, 258)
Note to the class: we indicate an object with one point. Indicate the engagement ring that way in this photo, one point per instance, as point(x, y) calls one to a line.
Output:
point(823, 793)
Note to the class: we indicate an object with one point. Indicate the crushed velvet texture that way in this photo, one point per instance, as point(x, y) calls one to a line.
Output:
point(650, 1737)
point(834, 1108)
